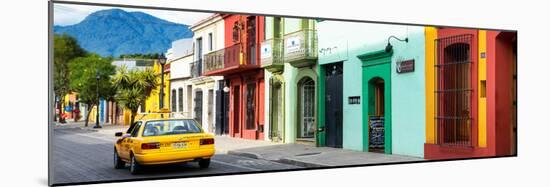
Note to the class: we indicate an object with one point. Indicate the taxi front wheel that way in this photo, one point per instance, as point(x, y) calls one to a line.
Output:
point(204, 163)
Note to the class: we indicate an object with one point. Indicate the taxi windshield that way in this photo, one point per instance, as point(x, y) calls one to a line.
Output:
point(170, 127)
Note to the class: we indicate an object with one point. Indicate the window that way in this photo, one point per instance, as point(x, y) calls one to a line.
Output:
point(180, 99)
point(454, 90)
point(236, 31)
point(306, 108)
point(210, 44)
point(174, 100)
point(131, 128)
point(250, 105)
point(170, 127)
point(135, 130)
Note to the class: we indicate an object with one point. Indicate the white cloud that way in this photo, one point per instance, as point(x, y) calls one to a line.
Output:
point(73, 14)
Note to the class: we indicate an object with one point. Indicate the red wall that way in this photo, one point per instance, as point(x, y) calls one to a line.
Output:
point(242, 78)
point(434, 151)
point(499, 60)
point(499, 103)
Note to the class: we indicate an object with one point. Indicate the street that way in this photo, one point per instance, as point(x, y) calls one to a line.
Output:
point(81, 155)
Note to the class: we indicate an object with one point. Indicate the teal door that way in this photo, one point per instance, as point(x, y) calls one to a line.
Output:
point(376, 101)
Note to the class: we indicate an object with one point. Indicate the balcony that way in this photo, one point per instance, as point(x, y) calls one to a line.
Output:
point(229, 61)
point(272, 55)
point(300, 48)
point(196, 68)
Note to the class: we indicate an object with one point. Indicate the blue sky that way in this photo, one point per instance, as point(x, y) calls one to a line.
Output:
point(73, 14)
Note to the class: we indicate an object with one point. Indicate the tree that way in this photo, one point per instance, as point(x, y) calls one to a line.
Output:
point(65, 49)
point(83, 72)
point(133, 87)
point(141, 56)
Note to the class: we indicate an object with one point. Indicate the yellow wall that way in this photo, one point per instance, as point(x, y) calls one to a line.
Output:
point(430, 36)
point(152, 103)
point(482, 102)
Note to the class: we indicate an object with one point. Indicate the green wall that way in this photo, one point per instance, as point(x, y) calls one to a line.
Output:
point(291, 77)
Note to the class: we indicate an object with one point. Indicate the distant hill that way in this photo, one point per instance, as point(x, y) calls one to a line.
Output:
point(115, 32)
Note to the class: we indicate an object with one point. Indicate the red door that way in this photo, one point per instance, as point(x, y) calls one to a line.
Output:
point(249, 110)
point(235, 111)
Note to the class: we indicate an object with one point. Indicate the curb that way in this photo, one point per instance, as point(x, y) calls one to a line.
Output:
point(245, 154)
point(300, 163)
point(288, 161)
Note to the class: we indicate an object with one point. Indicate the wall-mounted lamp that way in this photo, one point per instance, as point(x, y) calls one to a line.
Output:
point(389, 47)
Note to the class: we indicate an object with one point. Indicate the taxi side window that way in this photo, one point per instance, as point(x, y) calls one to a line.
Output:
point(136, 130)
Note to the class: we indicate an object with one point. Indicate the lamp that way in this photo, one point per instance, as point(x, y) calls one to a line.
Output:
point(389, 47)
point(162, 61)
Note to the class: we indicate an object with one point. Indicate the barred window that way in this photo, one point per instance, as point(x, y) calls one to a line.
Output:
point(180, 99)
point(173, 103)
point(454, 90)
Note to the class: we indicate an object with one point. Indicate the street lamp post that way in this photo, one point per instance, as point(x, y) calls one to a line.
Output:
point(97, 95)
point(162, 62)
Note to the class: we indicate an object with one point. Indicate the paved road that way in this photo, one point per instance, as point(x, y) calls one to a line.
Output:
point(83, 156)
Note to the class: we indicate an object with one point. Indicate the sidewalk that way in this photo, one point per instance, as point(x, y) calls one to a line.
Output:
point(310, 156)
point(106, 129)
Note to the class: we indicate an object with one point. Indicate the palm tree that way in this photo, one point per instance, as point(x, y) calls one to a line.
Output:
point(133, 87)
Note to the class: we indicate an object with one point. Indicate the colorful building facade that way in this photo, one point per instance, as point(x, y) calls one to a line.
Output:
point(408, 90)
point(366, 103)
point(475, 81)
point(208, 38)
point(289, 56)
point(239, 64)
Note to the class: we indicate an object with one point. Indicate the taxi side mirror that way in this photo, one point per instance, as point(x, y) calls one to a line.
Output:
point(118, 134)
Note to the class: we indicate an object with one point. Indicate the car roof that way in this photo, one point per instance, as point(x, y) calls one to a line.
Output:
point(160, 119)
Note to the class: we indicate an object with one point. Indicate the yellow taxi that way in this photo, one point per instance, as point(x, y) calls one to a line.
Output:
point(163, 141)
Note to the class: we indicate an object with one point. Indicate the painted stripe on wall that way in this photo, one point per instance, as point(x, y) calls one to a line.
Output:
point(482, 76)
point(430, 35)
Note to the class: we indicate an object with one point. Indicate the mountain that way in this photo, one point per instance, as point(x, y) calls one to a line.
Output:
point(115, 32)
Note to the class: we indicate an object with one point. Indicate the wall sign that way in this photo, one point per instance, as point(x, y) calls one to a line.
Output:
point(405, 66)
point(292, 44)
point(354, 100)
point(266, 50)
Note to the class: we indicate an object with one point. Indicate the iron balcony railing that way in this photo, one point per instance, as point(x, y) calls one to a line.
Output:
point(272, 53)
point(300, 45)
point(214, 60)
point(196, 68)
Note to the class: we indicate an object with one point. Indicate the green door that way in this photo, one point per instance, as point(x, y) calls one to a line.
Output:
point(376, 101)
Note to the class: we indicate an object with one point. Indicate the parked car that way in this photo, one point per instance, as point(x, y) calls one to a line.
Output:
point(163, 141)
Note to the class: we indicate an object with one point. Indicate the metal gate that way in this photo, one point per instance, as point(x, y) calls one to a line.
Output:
point(333, 104)
point(453, 90)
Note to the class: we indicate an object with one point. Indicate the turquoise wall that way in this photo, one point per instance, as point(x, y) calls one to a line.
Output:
point(343, 41)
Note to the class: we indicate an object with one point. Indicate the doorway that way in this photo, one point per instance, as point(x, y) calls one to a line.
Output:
point(198, 106)
point(277, 115)
point(210, 114)
point(376, 99)
point(376, 115)
point(251, 39)
point(236, 111)
point(334, 104)
point(306, 109)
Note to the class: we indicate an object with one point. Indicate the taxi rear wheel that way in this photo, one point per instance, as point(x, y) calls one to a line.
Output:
point(204, 163)
point(117, 161)
point(135, 168)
